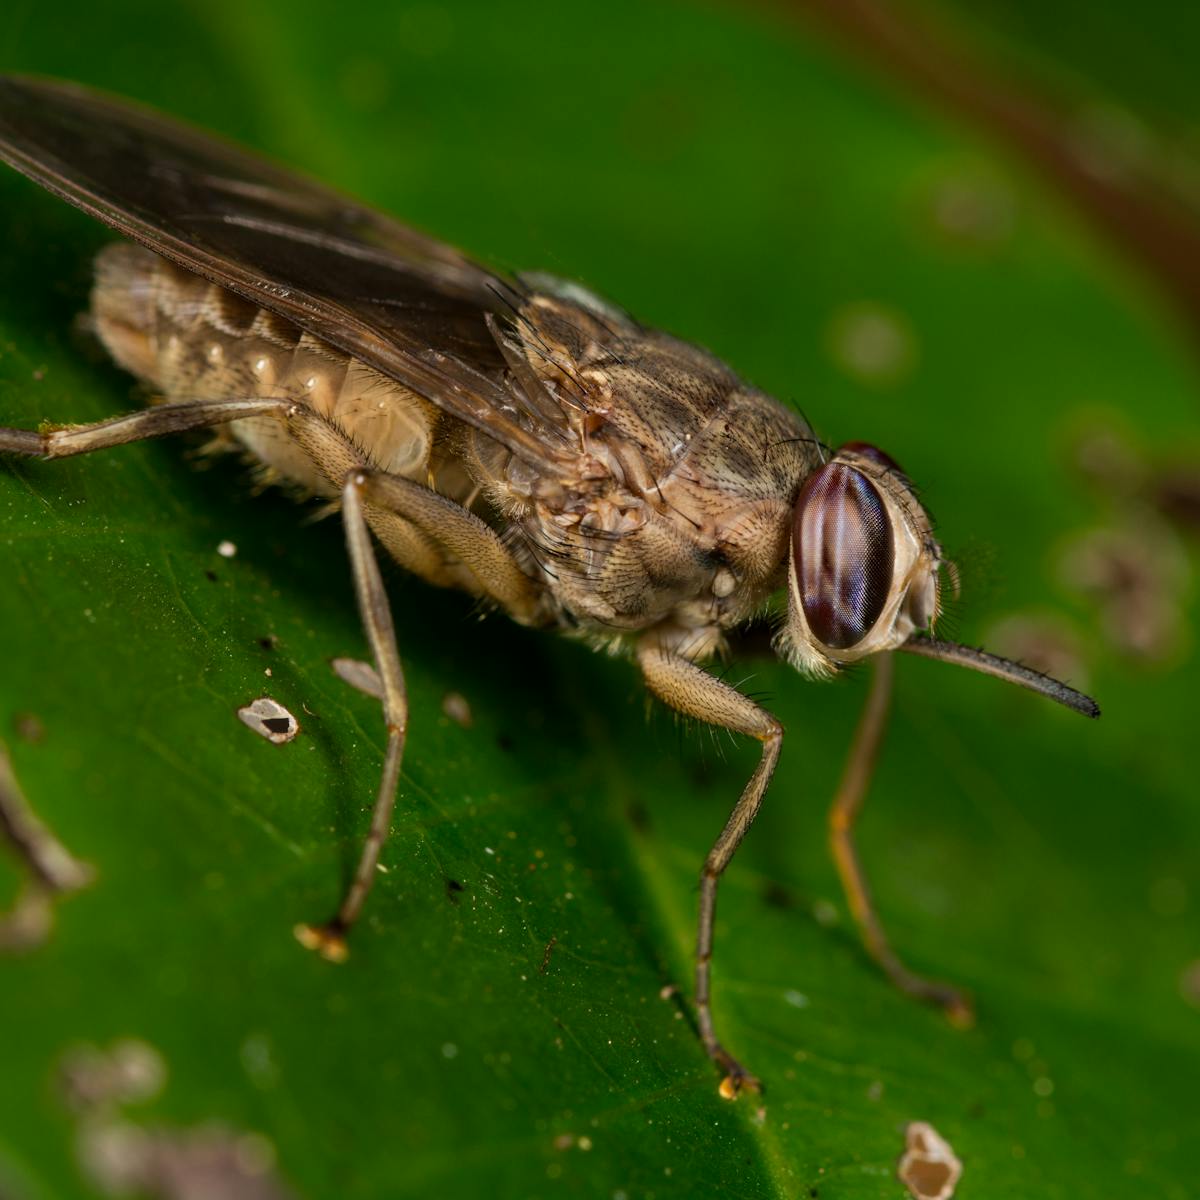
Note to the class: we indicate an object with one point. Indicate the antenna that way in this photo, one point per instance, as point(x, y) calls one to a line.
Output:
point(1002, 668)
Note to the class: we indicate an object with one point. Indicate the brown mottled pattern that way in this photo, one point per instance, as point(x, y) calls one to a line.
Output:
point(698, 472)
point(705, 473)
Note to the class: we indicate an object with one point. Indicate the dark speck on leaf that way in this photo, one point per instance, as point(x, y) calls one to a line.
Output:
point(778, 896)
point(453, 888)
point(269, 642)
point(277, 724)
point(211, 576)
point(504, 742)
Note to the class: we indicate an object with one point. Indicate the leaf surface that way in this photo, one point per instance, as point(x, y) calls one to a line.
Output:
point(499, 1028)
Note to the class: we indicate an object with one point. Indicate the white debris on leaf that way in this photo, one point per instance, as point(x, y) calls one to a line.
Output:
point(131, 1071)
point(121, 1157)
point(360, 675)
point(226, 549)
point(455, 706)
point(928, 1167)
point(268, 718)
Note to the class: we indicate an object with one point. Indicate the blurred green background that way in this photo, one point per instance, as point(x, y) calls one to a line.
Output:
point(730, 174)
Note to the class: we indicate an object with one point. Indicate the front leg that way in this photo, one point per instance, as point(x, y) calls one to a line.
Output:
point(689, 689)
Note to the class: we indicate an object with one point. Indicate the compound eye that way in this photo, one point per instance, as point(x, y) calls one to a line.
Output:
point(877, 456)
point(843, 552)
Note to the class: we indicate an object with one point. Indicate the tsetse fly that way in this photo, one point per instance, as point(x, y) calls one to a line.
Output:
point(516, 438)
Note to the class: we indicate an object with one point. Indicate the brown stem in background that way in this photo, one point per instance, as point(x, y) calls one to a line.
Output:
point(1159, 232)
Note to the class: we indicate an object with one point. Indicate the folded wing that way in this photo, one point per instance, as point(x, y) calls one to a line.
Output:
point(409, 306)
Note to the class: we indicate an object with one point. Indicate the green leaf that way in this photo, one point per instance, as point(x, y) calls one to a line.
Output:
point(499, 1027)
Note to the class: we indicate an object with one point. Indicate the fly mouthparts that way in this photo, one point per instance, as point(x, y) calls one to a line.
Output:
point(1002, 668)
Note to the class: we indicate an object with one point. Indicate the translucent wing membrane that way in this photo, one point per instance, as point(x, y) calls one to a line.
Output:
point(403, 303)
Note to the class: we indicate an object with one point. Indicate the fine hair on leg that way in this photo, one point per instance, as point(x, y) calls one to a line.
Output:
point(691, 690)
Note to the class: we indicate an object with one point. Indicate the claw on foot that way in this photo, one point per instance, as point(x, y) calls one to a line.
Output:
point(960, 1012)
point(329, 941)
point(737, 1079)
point(957, 1005)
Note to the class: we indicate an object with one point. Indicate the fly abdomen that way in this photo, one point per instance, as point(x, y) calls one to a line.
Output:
point(188, 339)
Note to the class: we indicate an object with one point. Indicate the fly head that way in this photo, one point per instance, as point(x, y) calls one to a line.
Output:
point(863, 576)
point(863, 568)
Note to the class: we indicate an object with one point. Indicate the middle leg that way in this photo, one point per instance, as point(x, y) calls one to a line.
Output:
point(330, 939)
point(425, 533)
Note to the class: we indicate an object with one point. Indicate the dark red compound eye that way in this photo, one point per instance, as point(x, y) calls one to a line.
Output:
point(866, 450)
point(842, 546)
